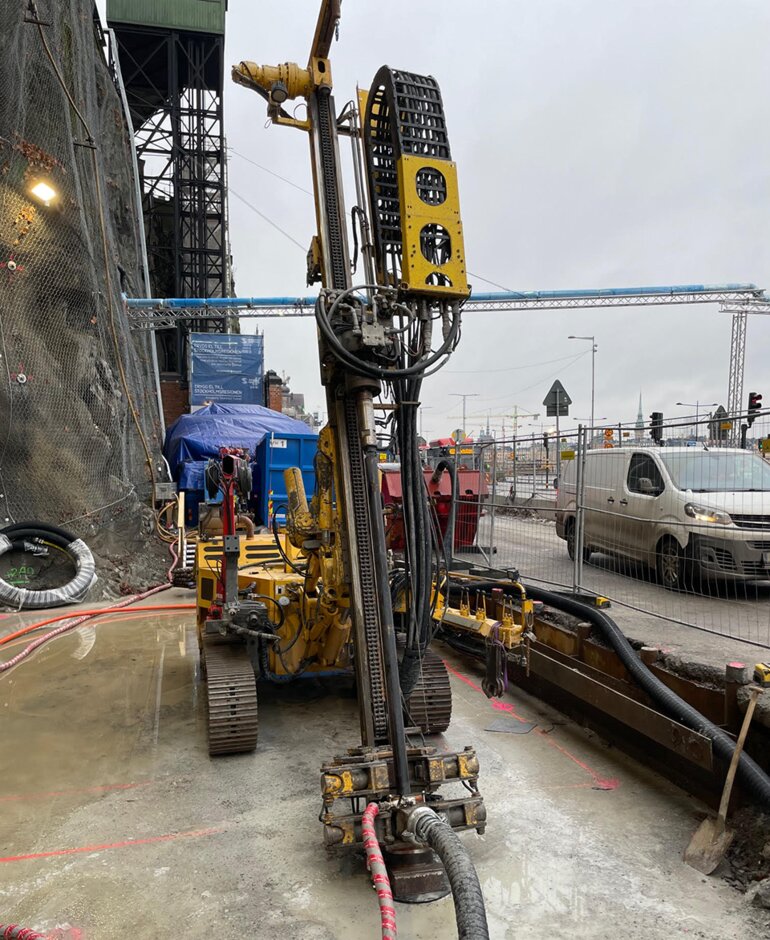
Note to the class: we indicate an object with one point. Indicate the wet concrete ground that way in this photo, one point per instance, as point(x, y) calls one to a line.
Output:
point(115, 823)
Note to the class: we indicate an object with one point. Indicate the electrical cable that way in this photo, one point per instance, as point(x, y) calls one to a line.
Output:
point(268, 220)
point(281, 615)
point(165, 533)
point(267, 170)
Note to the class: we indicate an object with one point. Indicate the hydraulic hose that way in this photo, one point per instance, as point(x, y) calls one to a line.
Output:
point(470, 914)
point(376, 865)
point(751, 774)
point(448, 464)
point(14, 537)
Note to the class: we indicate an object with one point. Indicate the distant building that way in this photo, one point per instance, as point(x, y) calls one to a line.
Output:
point(279, 397)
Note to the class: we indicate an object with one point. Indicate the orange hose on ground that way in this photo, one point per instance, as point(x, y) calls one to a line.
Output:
point(93, 613)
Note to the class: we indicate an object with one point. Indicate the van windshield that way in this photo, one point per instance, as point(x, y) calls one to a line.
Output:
point(710, 471)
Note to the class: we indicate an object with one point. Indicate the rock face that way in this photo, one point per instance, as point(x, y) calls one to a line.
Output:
point(71, 372)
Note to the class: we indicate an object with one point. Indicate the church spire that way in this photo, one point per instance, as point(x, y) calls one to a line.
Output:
point(640, 420)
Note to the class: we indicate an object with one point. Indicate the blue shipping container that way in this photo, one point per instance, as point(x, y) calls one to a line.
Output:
point(275, 453)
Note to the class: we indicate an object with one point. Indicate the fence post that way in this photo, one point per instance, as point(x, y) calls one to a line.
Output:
point(577, 565)
point(515, 470)
point(494, 501)
point(479, 503)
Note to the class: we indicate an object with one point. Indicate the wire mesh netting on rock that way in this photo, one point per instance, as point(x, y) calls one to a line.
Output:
point(79, 428)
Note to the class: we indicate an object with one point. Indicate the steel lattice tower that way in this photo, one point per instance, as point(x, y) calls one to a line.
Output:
point(172, 63)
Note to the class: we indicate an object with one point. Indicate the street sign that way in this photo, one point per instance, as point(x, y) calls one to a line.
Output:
point(719, 423)
point(557, 401)
point(457, 435)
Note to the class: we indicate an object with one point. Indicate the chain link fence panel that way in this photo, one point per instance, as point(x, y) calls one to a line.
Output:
point(677, 528)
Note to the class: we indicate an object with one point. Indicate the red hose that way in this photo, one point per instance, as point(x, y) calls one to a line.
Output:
point(174, 563)
point(376, 865)
point(14, 932)
point(70, 622)
point(96, 612)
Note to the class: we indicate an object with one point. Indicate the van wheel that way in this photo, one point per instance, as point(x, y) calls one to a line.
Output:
point(670, 565)
point(570, 533)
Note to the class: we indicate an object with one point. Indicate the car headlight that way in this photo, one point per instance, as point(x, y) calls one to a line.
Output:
point(706, 514)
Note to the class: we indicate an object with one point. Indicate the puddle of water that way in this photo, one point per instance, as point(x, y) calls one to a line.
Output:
point(87, 714)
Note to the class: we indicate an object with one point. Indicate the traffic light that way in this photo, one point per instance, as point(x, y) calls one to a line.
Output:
point(545, 444)
point(656, 426)
point(755, 405)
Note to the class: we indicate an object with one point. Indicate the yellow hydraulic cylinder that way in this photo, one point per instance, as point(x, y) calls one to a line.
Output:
point(297, 82)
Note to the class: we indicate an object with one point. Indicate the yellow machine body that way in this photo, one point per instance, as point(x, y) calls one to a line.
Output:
point(311, 628)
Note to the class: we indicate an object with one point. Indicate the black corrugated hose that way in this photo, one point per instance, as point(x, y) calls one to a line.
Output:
point(446, 463)
point(751, 774)
point(470, 913)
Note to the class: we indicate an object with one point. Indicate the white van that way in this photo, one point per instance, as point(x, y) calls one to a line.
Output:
point(681, 510)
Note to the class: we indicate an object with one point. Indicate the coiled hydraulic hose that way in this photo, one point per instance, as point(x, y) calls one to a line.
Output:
point(14, 537)
point(470, 914)
point(379, 873)
point(751, 774)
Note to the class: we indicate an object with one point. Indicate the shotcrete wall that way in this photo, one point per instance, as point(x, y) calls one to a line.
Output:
point(71, 371)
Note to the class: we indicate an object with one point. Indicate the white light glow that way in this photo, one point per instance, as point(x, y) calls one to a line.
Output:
point(44, 192)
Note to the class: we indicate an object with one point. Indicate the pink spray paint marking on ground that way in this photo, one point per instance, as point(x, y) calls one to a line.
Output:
point(599, 782)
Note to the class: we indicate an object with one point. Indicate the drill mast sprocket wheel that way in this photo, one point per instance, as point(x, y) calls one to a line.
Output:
point(430, 704)
point(231, 691)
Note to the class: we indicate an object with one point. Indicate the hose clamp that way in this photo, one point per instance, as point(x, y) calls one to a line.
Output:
point(419, 815)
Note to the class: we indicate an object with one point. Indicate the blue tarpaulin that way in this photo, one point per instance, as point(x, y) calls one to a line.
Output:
point(199, 436)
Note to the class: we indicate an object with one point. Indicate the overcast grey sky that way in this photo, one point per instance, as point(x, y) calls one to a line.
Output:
point(599, 144)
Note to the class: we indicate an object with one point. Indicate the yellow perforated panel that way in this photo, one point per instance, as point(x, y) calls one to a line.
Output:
point(417, 213)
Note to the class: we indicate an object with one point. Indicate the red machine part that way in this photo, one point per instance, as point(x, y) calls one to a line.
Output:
point(472, 490)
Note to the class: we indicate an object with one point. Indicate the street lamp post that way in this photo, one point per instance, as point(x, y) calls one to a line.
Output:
point(464, 396)
point(422, 409)
point(594, 347)
point(696, 405)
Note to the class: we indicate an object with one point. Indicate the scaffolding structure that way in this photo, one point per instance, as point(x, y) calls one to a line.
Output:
point(172, 63)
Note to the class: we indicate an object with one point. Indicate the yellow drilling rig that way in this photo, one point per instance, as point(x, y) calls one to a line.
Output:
point(325, 596)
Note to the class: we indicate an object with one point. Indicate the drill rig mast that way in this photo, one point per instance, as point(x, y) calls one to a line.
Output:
point(377, 338)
